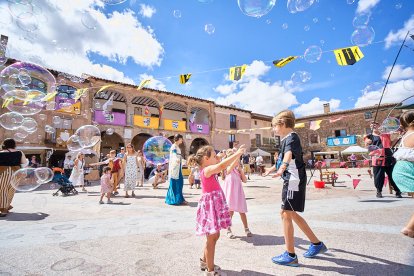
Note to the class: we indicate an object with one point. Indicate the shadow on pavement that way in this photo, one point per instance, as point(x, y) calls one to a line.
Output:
point(244, 272)
point(263, 187)
point(25, 216)
point(363, 267)
point(264, 240)
point(379, 200)
point(142, 197)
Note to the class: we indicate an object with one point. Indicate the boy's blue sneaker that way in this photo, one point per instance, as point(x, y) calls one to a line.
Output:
point(285, 259)
point(315, 250)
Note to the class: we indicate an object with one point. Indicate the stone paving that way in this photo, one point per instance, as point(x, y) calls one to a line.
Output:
point(74, 235)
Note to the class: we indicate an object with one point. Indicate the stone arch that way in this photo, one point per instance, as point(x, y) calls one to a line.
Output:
point(197, 143)
point(139, 140)
point(111, 142)
point(114, 114)
point(202, 115)
point(182, 147)
point(141, 102)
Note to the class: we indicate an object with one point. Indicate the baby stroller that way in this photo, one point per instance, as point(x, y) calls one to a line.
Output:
point(66, 186)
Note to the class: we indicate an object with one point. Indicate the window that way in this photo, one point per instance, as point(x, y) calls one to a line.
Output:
point(232, 139)
point(277, 141)
point(314, 138)
point(255, 122)
point(233, 120)
point(66, 91)
point(340, 132)
point(368, 115)
point(258, 140)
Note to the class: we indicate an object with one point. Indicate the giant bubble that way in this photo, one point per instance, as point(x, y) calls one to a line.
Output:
point(11, 120)
point(256, 8)
point(28, 179)
point(157, 150)
point(89, 136)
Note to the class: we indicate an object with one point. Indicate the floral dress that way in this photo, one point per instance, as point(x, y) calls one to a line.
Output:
point(131, 173)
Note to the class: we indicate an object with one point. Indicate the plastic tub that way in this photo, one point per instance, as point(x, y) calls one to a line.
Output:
point(319, 184)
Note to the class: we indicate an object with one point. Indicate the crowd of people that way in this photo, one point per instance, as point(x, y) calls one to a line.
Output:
point(218, 203)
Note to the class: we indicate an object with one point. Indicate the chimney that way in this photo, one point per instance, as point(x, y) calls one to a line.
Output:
point(326, 108)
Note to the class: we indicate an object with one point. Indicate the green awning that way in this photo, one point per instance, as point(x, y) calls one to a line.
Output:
point(409, 106)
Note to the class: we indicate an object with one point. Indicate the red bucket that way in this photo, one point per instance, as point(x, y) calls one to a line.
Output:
point(319, 184)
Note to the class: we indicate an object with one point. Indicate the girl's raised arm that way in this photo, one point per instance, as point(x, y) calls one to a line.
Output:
point(213, 169)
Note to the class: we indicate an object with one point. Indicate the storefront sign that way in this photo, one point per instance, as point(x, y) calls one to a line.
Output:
point(341, 141)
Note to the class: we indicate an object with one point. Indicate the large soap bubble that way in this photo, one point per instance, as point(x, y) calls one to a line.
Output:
point(113, 2)
point(157, 150)
point(313, 54)
point(390, 124)
point(294, 6)
point(40, 78)
point(361, 20)
point(28, 179)
point(89, 136)
point(209, 28)
point(29, 125)
point(73, 143)
point(256, 8)
point(300, 77)
point(363, 36)
point(11, 120)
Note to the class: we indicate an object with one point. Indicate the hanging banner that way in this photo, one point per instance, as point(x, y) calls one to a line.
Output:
point(341, 141)
point(236, 73)
point(174, 125)
point(348, 56)
point(299, 125)
point(143, 83)
point(199, 128)
point(146, 122)
point(184, 78)
point(282, 62)
point(114, 118)
point(66, 105)
point(315, 125)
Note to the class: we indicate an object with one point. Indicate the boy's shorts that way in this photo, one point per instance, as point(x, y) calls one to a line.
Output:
point(293, 195)
point(197, 181)
point(246, 168)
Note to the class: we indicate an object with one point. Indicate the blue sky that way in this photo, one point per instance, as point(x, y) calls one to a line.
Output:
point(139, 39)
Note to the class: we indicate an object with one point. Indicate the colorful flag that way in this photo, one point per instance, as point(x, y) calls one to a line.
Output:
point(143, 83)
point(193, 116)
point(355, 182)
point(104, 87)
point(7, 101)
point(333, 120)
point(237, 72)
point(161, 110)
point(282, 62)
point(315, 125)
point(147, 111)
point(79, 93)
point(299, 125)
point(184, 78)
point(348, 56)
point(108, 103)
point(48, 97)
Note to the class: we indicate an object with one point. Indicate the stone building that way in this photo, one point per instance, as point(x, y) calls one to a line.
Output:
point(339, 130)
point(261, 134)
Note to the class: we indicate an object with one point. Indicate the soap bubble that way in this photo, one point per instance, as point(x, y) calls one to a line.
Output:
point(306, 28)
point(20, 9)
point(300, 77)
point(313, 54)
point(57, 120)
point(256, 8)
point(88, 20)
point(157, 150)
point(294, 6)
point(177, 13)
point(97, 105)
point(398, 6)
point(39, 76)
point(285, 26)
point(28, 179)
point(361, 20)
point(11, 120)
point(409, 84)
point(73, 143)
point(18, 137)
point(110, 131)
point(28, 24)
point(363, 36)
point(322, 42)
point(29, 125)
point(390, 124)
point(268, 21)
point(64, 136)
point(49, 129)
point(89, 136)
point(349, 2)
point(209, 28)
point(28, 109)
point(59, 141)
point(113, 2)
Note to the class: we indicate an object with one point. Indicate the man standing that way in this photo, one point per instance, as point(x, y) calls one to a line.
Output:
point(246, 166)
point(68, 166)
point(121, 153)
point(259, 164)
point(382, 159)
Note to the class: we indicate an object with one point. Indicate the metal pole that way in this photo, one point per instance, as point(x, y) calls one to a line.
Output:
point(389, 75)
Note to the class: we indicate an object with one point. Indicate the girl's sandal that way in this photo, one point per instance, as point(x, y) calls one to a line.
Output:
point(230, 235)
point(408, 232)
point(248, 233)
point(203, 266)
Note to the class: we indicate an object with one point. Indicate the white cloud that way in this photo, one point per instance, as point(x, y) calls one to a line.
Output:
point(256, 69)
point(398, 36)
point(365, 6)
point(147, 10)
point(226, 89)
point(154, 83)
point(62, 41)
point(398, 73)
point(315, 106)
point(395, 93)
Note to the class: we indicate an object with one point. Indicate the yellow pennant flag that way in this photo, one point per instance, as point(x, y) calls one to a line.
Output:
point(184, 78)
point(49, 97)
point(7, 101)
point(29, 98)
point(143, 83)
point(315, 125)
point(79, 93)
point(237, 72)
point(282, 62)
point(104, 87)
point(348, 56)
point(299, 125)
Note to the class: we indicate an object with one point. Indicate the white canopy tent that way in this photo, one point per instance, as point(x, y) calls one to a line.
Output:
point(355, 149)
point(260, 152)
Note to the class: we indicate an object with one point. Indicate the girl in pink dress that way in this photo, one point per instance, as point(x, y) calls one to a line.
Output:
point(233, 190)
point(106, 185)
point(212, 211)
